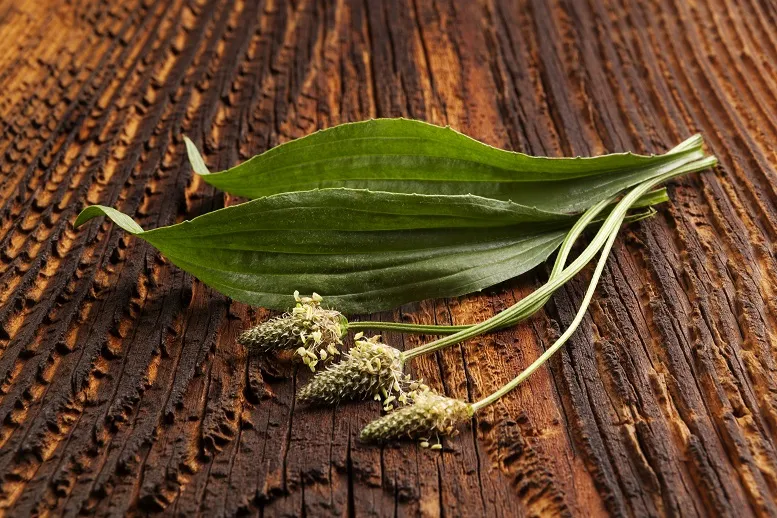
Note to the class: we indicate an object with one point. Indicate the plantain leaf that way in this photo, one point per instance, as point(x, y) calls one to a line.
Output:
point(408, 156)
point(364, 251)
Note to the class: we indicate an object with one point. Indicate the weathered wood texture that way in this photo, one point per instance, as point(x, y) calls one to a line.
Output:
point(123, 390)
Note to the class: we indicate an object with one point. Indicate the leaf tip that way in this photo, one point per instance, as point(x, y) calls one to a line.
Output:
point(84, 216)
point(121, 219)
point(195, 158)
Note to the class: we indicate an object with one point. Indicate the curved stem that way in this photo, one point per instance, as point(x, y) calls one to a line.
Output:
point(562, 339)
point(561, 258)
point(609, 226)
point(558, 266)
point(423, 329)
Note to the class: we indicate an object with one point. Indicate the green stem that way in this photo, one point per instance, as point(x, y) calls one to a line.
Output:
point(561, 259)
point(562, 339)
point(422, 329)
point(609, 226)
point(558, 266)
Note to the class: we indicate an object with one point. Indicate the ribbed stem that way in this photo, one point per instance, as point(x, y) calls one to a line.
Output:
point(646, 201)
point(562, 339)
point(609, 226)
point(558, 266)
point(421, 329)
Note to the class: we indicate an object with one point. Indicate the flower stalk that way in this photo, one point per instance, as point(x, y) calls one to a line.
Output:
point(610, 226)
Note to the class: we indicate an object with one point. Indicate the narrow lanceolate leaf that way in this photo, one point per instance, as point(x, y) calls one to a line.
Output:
point(363, 251)
point(400, 155)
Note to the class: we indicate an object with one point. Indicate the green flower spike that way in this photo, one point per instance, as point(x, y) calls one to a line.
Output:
point(309, 329)
point(371, 369)
point(428, 415)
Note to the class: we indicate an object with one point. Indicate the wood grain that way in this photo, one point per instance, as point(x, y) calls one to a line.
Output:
point(123, 390)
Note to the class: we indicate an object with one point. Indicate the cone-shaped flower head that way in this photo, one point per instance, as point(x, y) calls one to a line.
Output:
point(309, 329)
point(370, 369)
point(429, 414)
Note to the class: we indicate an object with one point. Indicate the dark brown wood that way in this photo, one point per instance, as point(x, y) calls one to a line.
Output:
point(123, 390)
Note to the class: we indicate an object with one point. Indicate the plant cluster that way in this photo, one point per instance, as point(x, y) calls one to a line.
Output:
point(389, 211)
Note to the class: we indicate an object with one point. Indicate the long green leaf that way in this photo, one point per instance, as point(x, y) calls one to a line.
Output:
point(408, 156)
point(364, 251)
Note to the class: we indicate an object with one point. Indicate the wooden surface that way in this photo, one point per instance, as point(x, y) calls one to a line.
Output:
point(123, 390)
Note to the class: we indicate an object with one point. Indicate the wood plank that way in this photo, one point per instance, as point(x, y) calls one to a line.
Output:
point(123, 390)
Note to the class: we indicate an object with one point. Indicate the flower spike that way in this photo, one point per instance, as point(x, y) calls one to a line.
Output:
point(429, 414)
point(371, 369)
point(313, 332)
